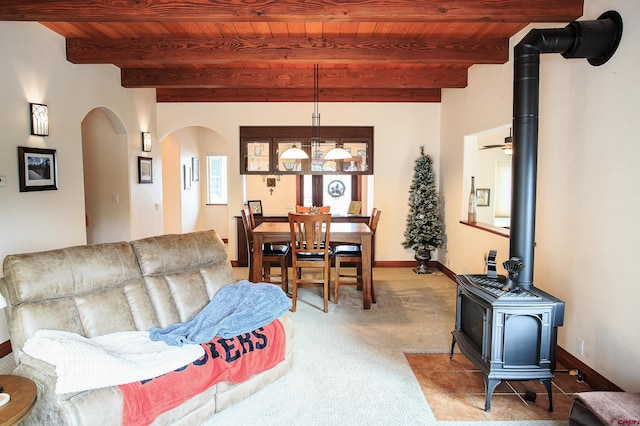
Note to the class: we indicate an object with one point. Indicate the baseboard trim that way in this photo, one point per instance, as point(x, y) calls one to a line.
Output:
point(589, 375)
point(5, 348)
point(399, 264)
point(448, 272)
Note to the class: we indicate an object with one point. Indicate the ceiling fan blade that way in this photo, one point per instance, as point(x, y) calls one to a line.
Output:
point(506, 145)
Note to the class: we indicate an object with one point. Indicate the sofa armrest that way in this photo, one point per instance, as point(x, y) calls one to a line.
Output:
point(29, 363)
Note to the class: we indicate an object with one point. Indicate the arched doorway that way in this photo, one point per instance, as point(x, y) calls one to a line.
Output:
point(185, 193)
point(106, 183)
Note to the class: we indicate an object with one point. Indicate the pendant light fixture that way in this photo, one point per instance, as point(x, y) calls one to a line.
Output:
point(295, 153)
point(336, 153)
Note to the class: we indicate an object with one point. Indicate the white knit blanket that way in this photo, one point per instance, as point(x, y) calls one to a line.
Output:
point(113, 359)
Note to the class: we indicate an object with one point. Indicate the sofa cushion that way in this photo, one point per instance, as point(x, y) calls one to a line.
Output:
point(170, 254)
point(69, 271)
point(51, 290)
point(182, 272)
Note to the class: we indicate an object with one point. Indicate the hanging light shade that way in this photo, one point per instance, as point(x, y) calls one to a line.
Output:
point(337, 154)
point(294, 153)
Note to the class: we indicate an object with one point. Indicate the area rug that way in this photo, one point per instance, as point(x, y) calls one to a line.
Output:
point(350, 366)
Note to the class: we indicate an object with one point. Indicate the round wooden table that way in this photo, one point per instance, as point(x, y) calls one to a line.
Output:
point(23, 397)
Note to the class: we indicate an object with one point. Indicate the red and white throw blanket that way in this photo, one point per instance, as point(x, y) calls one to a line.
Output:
point(233, 359)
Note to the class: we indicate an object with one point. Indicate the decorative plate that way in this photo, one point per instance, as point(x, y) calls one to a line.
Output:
point(336, 188)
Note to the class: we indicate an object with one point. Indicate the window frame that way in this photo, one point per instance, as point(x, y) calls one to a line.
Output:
point(223, 199)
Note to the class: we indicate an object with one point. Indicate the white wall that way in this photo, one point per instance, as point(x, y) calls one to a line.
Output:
point(399, 129)
point(33, 68)
point(588, 186)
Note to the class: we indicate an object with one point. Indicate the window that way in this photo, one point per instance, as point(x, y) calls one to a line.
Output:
point(217, 182)
point(336, 191)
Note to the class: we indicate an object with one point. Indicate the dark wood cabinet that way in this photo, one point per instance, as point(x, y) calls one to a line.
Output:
point(242, 237)
point(262, 146)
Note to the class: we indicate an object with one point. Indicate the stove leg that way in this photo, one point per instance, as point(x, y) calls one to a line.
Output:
point(453, 343)
point(547, 384)
point(489, 386)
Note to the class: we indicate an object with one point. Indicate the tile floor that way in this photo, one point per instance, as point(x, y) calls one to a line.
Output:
point(455, 391)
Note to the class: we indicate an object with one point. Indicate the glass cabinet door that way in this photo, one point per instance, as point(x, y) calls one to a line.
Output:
point(257, 156)
point(361, 157)
point(286, 166)
point(318, 162)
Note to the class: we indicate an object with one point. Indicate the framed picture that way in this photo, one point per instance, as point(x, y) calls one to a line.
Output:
point(145, 170)
point(255, 206)
point(186, 174)
point(38, 169)
point(271, 182)
point(195, 169)
point(482, 196)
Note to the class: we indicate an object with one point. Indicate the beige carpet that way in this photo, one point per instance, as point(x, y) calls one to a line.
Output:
point(350, 366)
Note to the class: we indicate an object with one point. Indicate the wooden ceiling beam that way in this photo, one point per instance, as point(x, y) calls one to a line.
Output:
point(292, 10)
point(297, 95)
point(134, 52)
point(296, 78)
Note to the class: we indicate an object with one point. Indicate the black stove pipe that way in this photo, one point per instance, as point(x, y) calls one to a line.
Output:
point(595, 40)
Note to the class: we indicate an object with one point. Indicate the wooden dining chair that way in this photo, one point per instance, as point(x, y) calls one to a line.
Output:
point(310, 249)
point(271, 253)
point(354, 207)
point(352, 254)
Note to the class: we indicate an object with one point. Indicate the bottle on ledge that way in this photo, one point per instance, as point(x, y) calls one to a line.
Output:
point(473, 202)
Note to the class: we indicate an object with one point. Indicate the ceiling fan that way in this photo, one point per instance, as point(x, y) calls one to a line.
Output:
point(506, 146)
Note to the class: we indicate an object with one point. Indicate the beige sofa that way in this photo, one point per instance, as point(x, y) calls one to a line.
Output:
point(99, 289)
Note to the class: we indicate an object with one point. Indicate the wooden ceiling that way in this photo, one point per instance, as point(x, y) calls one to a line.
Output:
point(265, 50)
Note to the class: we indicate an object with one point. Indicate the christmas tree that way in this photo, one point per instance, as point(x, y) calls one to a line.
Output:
point(424, 226)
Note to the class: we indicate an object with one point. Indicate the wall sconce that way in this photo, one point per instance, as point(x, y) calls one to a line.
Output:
point(146, 141)
point(39, 119)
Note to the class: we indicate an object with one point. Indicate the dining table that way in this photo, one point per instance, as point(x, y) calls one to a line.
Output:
point(356, 233)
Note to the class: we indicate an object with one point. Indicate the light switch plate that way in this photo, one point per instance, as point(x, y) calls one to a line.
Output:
point(3, 181)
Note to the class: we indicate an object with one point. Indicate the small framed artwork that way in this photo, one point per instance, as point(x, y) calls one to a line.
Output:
point(145, 170)
point(271, 182)
point(186, 174)
point(38, 169)
point(482, 196)
point(255, 206)
point(195, 169)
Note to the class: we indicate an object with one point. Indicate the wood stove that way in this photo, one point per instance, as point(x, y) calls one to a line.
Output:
point(511, 335)
point(508, 335)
